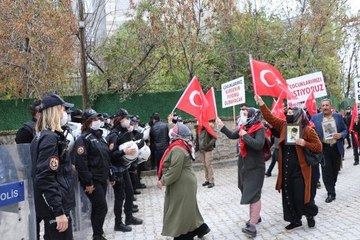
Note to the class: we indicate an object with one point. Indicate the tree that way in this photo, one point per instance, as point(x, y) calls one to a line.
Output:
point(36, 48)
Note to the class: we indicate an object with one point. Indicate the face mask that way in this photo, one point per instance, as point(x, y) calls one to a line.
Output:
point(64, 119)
point(125, 123)
point(242, 119)
point(95, 125)
point(131, 128)
point(102, 124)
point(290, 118)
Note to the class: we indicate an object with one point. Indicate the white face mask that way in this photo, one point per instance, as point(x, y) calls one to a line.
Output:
point(125, 123)
point(64, 119)
point(95, 125)
point(102, 124)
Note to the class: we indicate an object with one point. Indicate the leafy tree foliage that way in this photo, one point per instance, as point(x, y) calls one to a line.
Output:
point(36, 47)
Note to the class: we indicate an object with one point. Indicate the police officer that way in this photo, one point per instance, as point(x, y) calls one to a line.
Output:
point(53, 193)
point(120, 164)
point(27, 132)
point(92, 162)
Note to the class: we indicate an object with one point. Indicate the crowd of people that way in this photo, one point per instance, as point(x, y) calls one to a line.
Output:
point(97, 149)
point(111, 149)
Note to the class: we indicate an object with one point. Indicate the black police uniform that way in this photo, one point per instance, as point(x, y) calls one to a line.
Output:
point(92, 162)
point(123, 187)
point(53, 182)
point(26, 133)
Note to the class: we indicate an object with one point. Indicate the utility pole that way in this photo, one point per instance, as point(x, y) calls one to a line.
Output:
point(83, 56)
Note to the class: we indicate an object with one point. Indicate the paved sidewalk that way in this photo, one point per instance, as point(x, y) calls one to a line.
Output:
point(221, 209)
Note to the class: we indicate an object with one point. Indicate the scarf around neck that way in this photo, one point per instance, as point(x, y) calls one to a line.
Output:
point(252, 129)
point(180, 143)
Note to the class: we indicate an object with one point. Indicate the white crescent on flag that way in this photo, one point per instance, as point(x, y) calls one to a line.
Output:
point(265, 82)
point(192, 96)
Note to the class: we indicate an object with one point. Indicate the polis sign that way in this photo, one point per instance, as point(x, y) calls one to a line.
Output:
point(11, 193)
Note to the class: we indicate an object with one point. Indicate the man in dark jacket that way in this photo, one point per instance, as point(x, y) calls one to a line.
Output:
point(159, 138)
point(205, 144)
point(26, 133)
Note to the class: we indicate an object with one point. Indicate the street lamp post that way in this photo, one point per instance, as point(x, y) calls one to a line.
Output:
point(83, 55)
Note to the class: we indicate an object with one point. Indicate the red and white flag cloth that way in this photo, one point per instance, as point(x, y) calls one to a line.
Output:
point(209, 113)
point(193, 100)
point(310, 104)
point(267, 80)
point(277, 108)
point(354, 114)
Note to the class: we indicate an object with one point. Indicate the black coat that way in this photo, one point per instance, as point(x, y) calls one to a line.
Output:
point(159, 136)
point(52, 176)
point(92, 157)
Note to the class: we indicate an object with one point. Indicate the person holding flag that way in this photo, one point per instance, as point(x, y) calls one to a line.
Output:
point(205, 144)
point(294, 178)
point(251, 164)
point(354, 129)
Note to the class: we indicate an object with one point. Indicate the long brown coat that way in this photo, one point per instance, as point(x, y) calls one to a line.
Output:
point(312, 142)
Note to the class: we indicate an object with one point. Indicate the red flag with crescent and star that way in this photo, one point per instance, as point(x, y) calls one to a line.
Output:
point(267, 81)
point(193, 101)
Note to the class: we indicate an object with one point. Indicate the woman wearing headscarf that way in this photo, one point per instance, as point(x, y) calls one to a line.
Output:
point(182, 219)
point(251, 164)
point(294, 178)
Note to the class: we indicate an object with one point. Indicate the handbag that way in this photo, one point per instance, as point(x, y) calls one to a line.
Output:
point(313, 158)
point(267, 149)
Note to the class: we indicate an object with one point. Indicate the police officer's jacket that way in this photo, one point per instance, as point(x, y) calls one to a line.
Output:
point(52, 177)
point(92, 159)
point(116, 137)
point(26, 133)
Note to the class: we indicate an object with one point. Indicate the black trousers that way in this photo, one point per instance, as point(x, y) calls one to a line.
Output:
point(123, 191)
point(355, 149)
point(53, 234)
point(98, 207)
point(331, 167)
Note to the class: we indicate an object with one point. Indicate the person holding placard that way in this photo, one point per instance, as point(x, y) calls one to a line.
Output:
point(294, 178)
point(332, 131)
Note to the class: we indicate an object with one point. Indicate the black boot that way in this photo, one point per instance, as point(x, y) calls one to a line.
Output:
point(310, 221)
point(202, 230)
point(122, 227)
point(131, 220)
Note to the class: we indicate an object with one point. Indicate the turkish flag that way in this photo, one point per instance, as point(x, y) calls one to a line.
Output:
point(267, 81)
point(209, 113)
point(310, 104)
point(193, 100)
point(277, 109)
point(353, 116)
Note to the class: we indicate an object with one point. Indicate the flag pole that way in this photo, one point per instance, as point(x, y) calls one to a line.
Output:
point(213, 92)
point(234, 115)
point(252, 74)
point(277, 100)
point(183, 93)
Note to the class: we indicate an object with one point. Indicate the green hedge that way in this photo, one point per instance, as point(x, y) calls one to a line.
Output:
point(15, 112)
